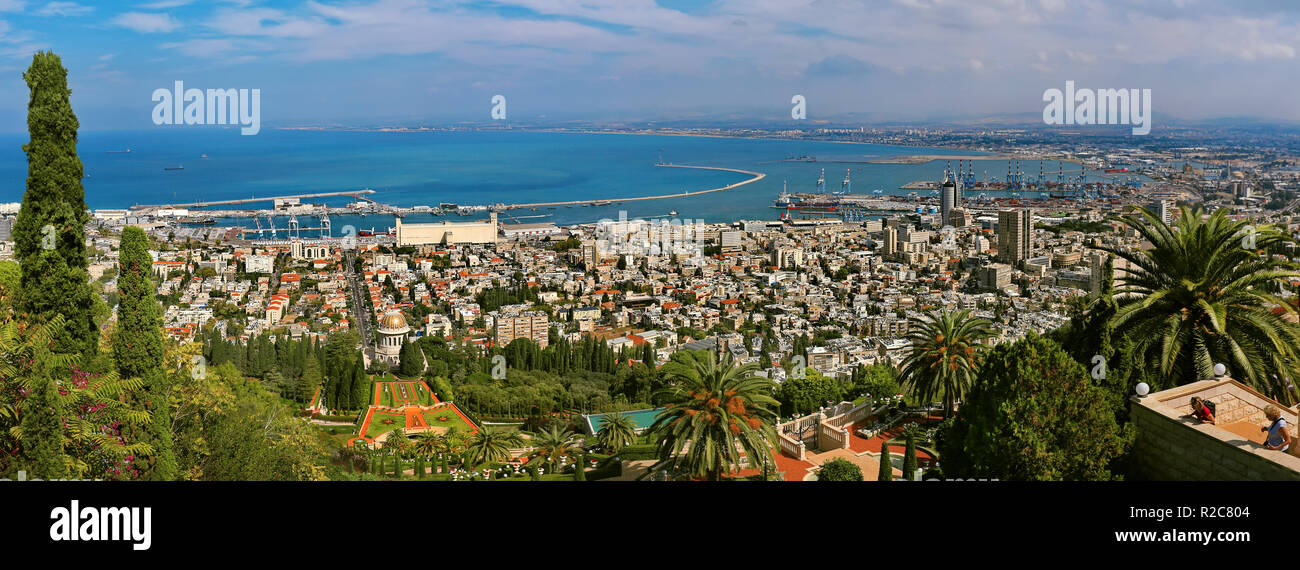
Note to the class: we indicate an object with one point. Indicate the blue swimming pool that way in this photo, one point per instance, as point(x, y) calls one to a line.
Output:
point(642, 418)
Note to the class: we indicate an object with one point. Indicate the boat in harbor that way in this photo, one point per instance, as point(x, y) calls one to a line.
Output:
point(672, 213)
point(179, 167)
point(819, 202)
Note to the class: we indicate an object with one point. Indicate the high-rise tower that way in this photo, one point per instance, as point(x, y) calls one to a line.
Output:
point(1015, 235)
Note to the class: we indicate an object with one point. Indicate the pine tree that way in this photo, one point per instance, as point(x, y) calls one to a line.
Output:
point(49, 234)
point(43, 432)
point(886, 464)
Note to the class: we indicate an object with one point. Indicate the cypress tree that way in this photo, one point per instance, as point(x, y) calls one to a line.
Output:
point(886, 465)
point(361, 387)
point(137, 349)
point(909, 457)
point(49, 234)
point(410, 360)
point(43, 431)
point(163, 466)
point(579, 469)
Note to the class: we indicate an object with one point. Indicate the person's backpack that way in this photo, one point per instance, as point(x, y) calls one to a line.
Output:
point(1210, 406)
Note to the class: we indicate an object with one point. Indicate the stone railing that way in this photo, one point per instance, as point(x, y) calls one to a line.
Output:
point(880, 426)
point(849, 414)
point(789, 446)
point(1172, 445)
point(831, 437)
point(830, 425)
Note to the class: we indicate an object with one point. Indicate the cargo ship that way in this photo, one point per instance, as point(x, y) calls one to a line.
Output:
point(819, 202)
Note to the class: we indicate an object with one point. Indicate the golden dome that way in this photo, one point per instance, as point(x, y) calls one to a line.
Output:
point(392, 320)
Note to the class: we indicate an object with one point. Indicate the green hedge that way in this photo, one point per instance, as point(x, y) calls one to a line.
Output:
point(639, 452)
point(337, 418)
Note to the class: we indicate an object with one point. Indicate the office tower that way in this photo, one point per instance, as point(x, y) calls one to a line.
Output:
point(947, 201)
point(1015, 235)
point(891, 241)
point(1166, 210)
point(589, 255)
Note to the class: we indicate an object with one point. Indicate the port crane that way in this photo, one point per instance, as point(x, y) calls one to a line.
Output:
point(846, 186)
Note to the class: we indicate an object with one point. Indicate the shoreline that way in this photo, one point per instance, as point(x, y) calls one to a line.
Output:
point(606, 132)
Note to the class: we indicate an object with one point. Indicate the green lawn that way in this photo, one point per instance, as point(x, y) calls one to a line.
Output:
point(377, 425)
point(390, 394)
point(453, 419)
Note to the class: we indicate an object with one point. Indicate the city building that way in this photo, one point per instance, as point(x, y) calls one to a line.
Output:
point(532, 325)
point(994, 276)
point(447, 232)
point(947, 201)
point(540, 229)
point(1015, 235)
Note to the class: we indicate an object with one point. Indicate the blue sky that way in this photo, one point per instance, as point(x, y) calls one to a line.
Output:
point(366, 61)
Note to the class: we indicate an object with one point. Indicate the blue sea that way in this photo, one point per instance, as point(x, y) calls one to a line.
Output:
point(472, 168)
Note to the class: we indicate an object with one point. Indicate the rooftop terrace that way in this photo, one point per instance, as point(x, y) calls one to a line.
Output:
point(1173, 445)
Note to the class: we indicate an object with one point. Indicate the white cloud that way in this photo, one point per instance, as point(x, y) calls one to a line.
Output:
point(147, 23)
point(165, 4)
point(63, 9)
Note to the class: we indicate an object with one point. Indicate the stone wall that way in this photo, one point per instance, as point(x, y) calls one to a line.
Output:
point(1171, 445)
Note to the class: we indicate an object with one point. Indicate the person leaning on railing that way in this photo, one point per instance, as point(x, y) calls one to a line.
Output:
point(1202, 410)
point(1278, 436)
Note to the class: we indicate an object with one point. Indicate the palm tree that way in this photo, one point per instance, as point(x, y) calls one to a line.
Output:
point(714, 412)
point(396, 442)
point(491, 446)
point(945, 356)
point(427, 444)
point(616, 432)
point(1205, 293)
point(551, 445)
